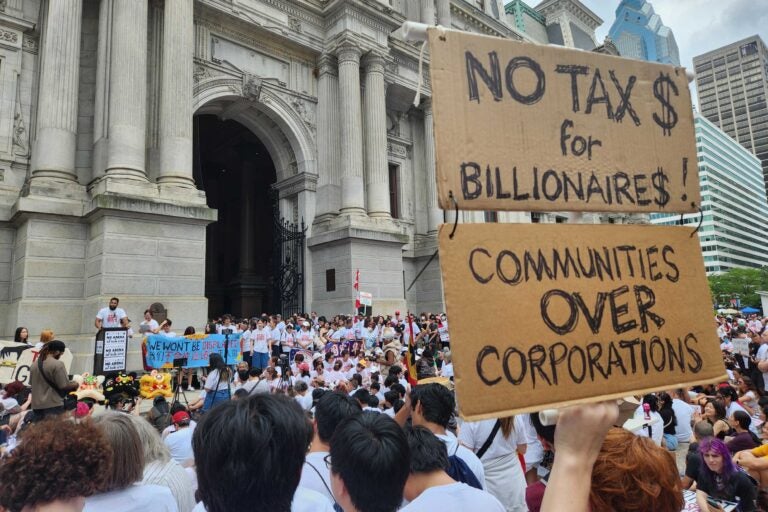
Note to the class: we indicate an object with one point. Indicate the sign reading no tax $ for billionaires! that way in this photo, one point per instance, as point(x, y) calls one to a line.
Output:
point(619, 310)
point(530, 127)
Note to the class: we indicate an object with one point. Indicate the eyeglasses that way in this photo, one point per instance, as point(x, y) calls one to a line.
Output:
point(327, 460)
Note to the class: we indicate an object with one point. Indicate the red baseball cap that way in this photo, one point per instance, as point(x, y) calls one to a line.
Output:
point(397, 313)
point(180, 416)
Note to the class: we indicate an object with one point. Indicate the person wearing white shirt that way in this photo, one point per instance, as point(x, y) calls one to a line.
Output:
point(496, 443)
point(180, 442)
point(432, 406)
point(655, 424)
point(111, 316)
point(330, 411)
point(238, 471)
point(261, 345)
point(149, 325)
point(429, 487)
point(762, 358)
point(303, 397)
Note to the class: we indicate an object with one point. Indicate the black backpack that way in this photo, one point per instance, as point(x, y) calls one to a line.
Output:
point(459, 471)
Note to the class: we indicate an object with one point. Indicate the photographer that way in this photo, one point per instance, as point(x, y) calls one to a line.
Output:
point(49, 381)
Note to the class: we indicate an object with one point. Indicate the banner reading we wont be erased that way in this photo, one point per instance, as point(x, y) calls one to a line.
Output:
point(162, 350)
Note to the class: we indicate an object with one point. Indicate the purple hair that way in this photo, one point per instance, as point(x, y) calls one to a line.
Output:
point(713, 444)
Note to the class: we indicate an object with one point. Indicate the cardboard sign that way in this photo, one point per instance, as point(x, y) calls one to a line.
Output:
point(521, 126)
point(17, 358)
point(547, 315)
point(196, 349)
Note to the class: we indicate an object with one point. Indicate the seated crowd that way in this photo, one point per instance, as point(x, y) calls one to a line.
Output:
point(376, 429)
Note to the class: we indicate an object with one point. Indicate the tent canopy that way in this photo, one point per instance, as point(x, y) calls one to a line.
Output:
point(749, 310)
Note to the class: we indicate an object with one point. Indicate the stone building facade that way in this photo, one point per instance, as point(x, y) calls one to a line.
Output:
point(139, 141)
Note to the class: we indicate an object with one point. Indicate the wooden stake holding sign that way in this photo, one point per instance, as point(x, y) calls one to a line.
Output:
point(546, 315)
point(522, 126)
point(549, 315)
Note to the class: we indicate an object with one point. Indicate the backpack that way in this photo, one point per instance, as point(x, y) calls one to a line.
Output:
point(459, 471)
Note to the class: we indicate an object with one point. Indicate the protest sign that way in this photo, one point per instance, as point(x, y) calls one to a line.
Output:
point(366, 299)
point(574, 314)
point(162, 350)
point(530, 127)
point(110, 350)
point(16, 359)
point(741, 346)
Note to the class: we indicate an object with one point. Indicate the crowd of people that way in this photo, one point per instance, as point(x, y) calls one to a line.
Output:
point(359, 414)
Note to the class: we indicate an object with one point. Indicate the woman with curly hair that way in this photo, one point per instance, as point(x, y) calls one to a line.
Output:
point(719, 478)
point(122, 490)
point(634, 474)
point(57, 464)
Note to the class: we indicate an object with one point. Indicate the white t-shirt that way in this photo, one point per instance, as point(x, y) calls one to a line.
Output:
point(304, 500)
point(135, 498)
point(657, 426)
point(762, 355)
point(683, 414)
point(473, 435)
point(259, 340)
point(151, 325)
point(214, 380)
point(111, 318)
point(170, 429)
point(310, 479)
point(304, 401)
point(458, 497)
point(465, 454)
point(221, 327)
point(180, 445)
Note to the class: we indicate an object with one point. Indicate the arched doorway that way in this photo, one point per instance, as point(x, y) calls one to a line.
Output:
point(236, 171)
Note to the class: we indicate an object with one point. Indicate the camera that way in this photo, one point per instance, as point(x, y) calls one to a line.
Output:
point(284, 364)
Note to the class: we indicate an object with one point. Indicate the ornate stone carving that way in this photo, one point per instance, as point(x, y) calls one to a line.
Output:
point(3, 5)
point(396, 149)
point(393, 124)
point(201, 73)
point(7, 35)
point(303, 112)
point(29, 44)
point(19, 135)
point(252, 87)
point(294, 24)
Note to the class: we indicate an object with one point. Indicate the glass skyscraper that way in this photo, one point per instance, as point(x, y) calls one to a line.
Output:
point(638, 33)
point(734, 230)
point(732, 83)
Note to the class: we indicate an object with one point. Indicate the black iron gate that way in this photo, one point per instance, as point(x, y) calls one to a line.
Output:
point(287, 266)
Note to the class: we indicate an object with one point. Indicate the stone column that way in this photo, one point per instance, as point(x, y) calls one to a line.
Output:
point(434, 213)
point(352, 189)
point(376, 162)
point(444, 13)
point(328, 140)
point(176, 95)
point(128, 91)
point(56, 141)
point(428, 12)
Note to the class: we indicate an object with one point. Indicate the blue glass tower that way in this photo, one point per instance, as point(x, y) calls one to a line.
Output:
point(638, 33)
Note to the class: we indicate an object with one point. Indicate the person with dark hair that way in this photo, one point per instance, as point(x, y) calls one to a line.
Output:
point(743, 439)
point(702, 430)
point(714, 413)
point(669, 420)
point(121, 491)
point(369, 463)
point(432, 406)
point(76, 456)
point(248, 456)
point(719, 478)
point(21, 335)
point(331, 409)
point(111, 316)
point(49, 381)
point(430, 488)
point(217, 385)
point(655, 427)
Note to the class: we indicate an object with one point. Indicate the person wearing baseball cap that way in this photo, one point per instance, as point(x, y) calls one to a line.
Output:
point(180, 442)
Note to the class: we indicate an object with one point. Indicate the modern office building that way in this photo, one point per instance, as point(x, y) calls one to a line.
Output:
point(638, 33)
point(732, 85)
point(734, 229)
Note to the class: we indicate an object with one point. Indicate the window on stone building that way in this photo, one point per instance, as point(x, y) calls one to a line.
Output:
point(330, 280)
point(394, 187)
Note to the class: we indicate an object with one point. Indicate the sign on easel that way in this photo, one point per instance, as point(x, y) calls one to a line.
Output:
point(111, 350)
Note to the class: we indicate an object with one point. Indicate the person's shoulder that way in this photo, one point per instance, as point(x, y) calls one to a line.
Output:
point(307, 500)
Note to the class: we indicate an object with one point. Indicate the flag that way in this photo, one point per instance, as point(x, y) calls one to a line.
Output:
point(356, 286)
point(410, 356)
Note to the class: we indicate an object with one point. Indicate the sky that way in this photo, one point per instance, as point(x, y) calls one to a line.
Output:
point(699, 25)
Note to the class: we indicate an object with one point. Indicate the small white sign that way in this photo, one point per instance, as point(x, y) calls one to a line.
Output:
point(115, 350)
point(366, 299)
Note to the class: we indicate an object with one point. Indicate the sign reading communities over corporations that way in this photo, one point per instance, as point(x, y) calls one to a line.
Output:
point(521, 126)
point(591, 312)
point(162, 350)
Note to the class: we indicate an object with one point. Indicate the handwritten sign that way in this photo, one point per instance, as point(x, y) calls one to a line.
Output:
point(162, 350)
point(522, 126)
point(17, 358)
point(574, 314)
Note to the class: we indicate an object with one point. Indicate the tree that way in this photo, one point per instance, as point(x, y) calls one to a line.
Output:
point(741, 283)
